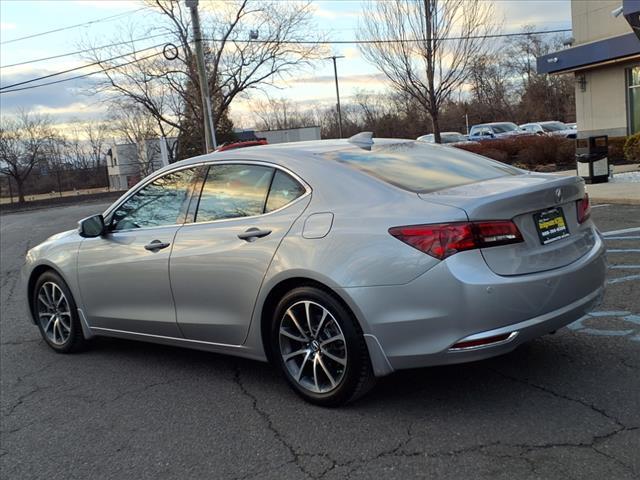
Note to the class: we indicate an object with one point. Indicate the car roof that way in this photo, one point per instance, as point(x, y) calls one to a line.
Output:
point(285, 154)
point(443, 133)
point(492, 123)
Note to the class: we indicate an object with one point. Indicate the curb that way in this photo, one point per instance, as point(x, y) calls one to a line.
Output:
point(615, 200)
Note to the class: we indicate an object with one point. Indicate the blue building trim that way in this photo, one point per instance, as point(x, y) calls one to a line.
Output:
point(592, 53)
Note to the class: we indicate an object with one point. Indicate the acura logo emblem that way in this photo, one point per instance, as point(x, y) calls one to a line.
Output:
point(558, 195)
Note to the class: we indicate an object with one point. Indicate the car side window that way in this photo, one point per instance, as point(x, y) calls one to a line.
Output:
point(233, 191)
point(284, 189)
point(161, 202)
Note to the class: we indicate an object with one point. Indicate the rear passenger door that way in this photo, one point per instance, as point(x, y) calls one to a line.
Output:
point(218, 262)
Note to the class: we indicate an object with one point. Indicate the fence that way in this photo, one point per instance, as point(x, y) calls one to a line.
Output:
point(50, 183)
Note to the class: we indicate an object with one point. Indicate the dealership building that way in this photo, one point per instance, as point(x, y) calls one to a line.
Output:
point(604, 57)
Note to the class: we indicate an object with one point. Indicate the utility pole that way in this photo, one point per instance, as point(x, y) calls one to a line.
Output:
point(209, 130)
point(335, 72)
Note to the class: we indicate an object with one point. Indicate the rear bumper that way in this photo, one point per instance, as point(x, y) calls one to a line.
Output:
point(416, 324)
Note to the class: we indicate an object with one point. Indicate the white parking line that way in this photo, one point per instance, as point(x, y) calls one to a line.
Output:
point(624, 267)
point(630, 237)
point(623, 279)
point(601, 205)
point(618, 232)
point(623, 250)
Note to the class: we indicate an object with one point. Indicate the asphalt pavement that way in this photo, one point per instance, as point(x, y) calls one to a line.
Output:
point(563, 406)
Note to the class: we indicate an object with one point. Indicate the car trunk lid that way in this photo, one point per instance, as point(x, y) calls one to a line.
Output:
point(528, 200)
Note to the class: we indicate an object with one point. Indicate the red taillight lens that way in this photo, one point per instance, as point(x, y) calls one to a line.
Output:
point(444, 239)
point(584, 208)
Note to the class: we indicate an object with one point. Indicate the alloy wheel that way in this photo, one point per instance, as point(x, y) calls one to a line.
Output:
point(312, 346)
point(54, 313)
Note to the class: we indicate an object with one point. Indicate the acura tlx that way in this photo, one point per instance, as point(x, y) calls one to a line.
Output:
point(339, 261)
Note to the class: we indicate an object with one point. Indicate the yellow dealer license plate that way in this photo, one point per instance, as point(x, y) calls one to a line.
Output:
point(551, 225)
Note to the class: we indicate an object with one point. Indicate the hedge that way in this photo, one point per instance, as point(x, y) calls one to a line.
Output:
point(631, 148)
point(528, 152)
point(544, 153)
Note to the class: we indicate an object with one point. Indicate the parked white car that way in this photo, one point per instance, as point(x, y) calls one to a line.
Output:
point(448, 138)
point(552, 128)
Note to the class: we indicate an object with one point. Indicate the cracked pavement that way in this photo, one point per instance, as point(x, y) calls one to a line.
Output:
point(563, 406)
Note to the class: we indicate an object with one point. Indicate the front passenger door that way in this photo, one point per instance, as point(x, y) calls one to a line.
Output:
point(124, 274)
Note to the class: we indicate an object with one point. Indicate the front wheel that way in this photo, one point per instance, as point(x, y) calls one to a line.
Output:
point(319, 348)
point(56, 314)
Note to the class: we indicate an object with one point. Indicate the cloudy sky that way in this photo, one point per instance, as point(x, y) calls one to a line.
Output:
point(338, 19)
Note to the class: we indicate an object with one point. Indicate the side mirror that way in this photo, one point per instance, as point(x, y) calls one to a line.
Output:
point(91, 226)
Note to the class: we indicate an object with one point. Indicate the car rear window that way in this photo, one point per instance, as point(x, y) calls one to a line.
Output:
point(554, 127)
point(504, 127)
point(420, 167)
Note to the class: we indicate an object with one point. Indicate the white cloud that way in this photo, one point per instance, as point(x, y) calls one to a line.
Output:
point(328, 13)
point(363, 79)
point(111, 4)
point(351, 53)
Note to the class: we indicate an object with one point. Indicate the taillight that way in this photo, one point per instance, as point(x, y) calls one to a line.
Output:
point(444, 239)
point(584, 208)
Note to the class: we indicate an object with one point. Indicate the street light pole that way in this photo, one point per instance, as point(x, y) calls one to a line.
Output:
point(335, 72)
point(209, 130)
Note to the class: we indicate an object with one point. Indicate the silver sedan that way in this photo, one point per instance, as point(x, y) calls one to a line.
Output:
point(339, 261)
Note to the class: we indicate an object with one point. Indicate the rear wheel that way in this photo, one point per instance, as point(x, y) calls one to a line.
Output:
point(319, 348)
point(56, 314)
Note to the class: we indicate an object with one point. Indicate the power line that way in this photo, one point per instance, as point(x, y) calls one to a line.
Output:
point(91, 22)
point(81, 76)
point(79, 68)
point(328, 42)
point(148, 37)
point(409, 40)
point(540, 32)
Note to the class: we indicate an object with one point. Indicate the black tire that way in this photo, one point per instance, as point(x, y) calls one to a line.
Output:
point(355, 378)
point(75, 340)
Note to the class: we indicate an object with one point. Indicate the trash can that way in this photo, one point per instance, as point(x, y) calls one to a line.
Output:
point(591, 158)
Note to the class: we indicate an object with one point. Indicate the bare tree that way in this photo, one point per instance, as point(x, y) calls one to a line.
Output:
point(237, 61)
point(86, 144)
point(278, 114)
point(492, 89)
point(95, 134)
point(425, 47)
point(24, 142)
point(542, 96)
point(133, 124)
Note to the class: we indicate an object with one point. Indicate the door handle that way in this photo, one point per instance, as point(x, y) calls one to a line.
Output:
point(253, 233)
point(156, 245)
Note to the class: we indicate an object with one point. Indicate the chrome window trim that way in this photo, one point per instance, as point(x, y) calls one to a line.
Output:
point(210, 163)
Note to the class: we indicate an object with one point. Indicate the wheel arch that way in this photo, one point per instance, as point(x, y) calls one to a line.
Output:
point(36, 272)
point(286, 285)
